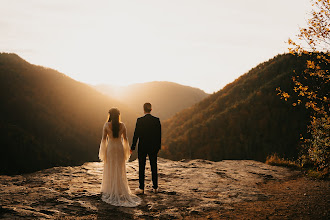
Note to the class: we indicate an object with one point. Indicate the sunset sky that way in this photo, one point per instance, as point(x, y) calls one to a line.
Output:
point(200, 43)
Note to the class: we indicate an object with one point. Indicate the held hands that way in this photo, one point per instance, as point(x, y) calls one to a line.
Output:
point(130, 151)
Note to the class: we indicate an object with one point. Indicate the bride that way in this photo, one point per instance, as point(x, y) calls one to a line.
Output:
point(115, 152)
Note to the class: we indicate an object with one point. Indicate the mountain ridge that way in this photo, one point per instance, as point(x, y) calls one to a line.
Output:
point(59, 119)
point(166, 97)
point(244, 120)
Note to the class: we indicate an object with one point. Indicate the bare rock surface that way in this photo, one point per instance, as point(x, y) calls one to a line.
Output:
point(187, 188)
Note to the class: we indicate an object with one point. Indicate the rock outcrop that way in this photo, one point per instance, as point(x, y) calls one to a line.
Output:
point(187, 187)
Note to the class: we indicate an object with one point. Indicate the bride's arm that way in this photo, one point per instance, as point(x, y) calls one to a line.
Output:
point(124, 132)
point(105, 132)
point(103, 144)
point(127, 150)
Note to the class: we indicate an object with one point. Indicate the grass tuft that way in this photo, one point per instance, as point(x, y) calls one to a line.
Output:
point(275, 160)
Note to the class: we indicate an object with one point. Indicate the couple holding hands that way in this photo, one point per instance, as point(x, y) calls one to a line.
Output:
point(115, 152)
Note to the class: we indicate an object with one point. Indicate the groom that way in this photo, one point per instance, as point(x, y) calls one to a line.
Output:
point(148, 132)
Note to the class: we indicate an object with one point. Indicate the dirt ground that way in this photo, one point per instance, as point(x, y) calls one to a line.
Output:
point(299, 197)
point(189, 189)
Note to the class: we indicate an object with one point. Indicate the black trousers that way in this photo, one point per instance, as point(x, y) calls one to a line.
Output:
point(142, 165)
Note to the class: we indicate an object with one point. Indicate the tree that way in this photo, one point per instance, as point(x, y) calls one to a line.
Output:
point(311, 87)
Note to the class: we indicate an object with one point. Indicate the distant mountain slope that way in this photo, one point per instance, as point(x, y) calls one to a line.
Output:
point(48, 119)
point(167, 98)
point(244, 120)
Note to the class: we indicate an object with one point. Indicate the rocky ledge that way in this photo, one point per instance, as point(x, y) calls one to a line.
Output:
point(188, 188)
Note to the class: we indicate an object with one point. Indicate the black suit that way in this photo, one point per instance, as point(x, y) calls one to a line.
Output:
point(148, 132)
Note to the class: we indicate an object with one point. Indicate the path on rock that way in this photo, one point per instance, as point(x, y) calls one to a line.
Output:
point(187, 188)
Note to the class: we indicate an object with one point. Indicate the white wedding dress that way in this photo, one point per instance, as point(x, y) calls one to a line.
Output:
point(115, 152)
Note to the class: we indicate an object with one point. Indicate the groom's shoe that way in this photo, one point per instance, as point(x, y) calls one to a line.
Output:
point(139, 191)
point(155, 190)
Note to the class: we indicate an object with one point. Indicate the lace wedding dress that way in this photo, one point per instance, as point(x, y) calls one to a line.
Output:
point(115, 152)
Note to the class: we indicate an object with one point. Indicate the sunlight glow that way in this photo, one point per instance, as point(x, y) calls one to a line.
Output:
point(204, 44)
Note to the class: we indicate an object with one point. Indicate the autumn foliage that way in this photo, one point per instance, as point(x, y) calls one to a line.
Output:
point(311, 86)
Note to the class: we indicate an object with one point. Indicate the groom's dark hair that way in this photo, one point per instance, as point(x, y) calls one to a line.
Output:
point(147, 107)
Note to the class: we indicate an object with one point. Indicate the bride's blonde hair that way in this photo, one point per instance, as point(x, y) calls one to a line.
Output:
point(114, 118)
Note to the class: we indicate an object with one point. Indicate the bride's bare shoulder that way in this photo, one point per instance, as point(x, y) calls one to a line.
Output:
point(122, 125)
point(107, 125)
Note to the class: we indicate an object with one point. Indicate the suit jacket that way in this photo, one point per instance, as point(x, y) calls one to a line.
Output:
point(148, 132)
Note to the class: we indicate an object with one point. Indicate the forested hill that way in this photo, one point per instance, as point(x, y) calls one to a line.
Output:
point(48, 119)
point(167, 98)
point(244, 120)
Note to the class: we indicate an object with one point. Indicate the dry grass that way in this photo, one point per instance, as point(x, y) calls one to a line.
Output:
point(278, 161)
point(275, 160)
